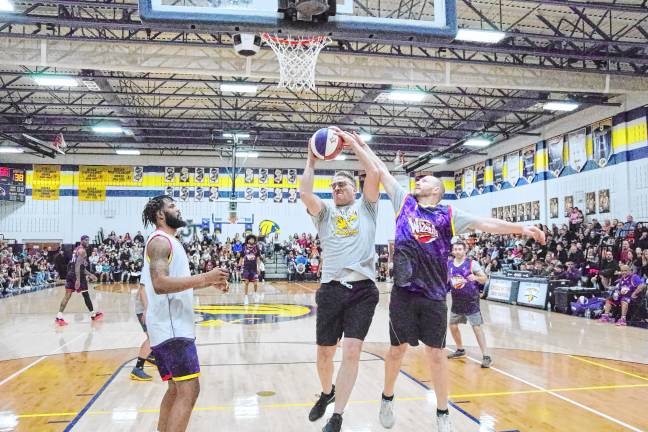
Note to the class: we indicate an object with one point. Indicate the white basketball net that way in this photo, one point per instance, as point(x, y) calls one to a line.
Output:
point(297, 59)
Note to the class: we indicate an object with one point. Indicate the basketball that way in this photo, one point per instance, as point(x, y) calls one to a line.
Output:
point(325, 144)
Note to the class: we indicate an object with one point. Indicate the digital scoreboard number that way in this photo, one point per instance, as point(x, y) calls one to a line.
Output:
point(12, 184)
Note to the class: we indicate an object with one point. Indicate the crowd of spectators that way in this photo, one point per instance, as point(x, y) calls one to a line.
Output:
point(28, 269)
point(586, 253)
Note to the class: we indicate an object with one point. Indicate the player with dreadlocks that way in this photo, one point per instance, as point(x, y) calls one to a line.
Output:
point(169, 313)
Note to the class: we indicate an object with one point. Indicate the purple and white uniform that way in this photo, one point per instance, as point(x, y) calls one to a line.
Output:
point(465, 293)
point(631, 282)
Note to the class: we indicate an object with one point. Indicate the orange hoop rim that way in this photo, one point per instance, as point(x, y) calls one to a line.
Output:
point(301, 41)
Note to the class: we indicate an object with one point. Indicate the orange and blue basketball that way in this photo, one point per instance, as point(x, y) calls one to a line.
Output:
point(325, 144)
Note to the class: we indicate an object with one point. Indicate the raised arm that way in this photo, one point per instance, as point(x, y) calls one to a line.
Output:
point(312, 202)
point(371, 189)
point(158, 252)
point(497, 226)
point(386, 178)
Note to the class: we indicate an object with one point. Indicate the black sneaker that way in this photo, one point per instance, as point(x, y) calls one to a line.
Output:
point(319, 408)
point(457, 354)
point(334, 424)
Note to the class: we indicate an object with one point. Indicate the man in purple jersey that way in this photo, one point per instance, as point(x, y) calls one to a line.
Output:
point(628, 287)
point(418, 311)
point(464, 276)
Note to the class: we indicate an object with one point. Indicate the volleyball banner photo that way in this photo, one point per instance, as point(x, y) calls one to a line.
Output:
point(576, 142)
point(513, 168)
point(556, 158)
point(602, 142)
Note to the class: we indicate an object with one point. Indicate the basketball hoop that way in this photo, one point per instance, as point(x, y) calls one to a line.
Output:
point(297, 59)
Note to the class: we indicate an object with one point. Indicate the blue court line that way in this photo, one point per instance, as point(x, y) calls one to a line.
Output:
point(452, 404)
point(95, 397)
point(114, 375)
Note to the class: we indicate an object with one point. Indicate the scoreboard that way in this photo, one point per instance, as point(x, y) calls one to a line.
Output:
point(12, 184)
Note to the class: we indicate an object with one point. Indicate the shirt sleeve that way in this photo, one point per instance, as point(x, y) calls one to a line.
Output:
point(462, 220)
point(370, 208)
point(322, 216)
point(399, 196)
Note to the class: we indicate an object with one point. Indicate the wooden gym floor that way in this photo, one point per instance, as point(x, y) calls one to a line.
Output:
point(551, 372)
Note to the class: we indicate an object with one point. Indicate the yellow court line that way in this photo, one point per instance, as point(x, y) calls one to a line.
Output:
point(357, 402)
point(601, 365)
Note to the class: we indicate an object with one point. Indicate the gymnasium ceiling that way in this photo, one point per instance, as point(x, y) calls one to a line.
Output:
point(163, 83)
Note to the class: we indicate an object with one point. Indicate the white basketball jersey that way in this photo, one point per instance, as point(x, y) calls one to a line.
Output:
point(168, 315)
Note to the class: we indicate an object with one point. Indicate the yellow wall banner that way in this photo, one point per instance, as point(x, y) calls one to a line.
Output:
point(93, 174)
point(45, 193)
point(47, 173)
point(120, 175)
point(92, 192)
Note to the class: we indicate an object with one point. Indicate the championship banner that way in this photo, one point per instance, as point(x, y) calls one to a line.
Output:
point(47, 174)
point(120, 175)
point(45, 192)
point(92, 192)
point(93, 174)
point(513, 168)
point(577, 150)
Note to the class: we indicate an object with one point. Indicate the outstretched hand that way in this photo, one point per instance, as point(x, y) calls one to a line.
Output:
point(535, 232)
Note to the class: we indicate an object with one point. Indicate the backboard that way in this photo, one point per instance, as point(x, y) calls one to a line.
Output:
point(382, 21)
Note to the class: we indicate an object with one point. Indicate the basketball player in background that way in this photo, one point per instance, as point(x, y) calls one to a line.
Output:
point(347, 297)
point(250, 266)
point(76, 280)
point(417, 310)
point(465, 274)
point(169, 288)
point(138, 374)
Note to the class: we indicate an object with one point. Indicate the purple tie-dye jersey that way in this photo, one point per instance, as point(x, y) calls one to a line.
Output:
point(422, 247)
point(465, 293)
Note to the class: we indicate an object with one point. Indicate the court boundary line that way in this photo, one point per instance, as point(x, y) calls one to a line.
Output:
point(559, 396)
point(103, 388)
point(91, 402)
point(35, 362)
point(603, 366)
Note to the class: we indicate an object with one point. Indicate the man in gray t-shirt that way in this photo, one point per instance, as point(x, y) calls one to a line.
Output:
point(347, 297)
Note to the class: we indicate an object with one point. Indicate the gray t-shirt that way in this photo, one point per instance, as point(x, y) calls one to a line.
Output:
point(348, 236)
point(461, 219)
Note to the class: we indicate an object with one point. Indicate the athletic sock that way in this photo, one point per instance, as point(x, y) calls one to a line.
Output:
point(387, 398)
point(442, 412)
point(59, 315)
point(140, 363)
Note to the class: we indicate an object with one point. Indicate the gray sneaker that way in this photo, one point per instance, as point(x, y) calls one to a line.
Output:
point(443, 423)
point(387, 416)
point(457, 354)
point(486, 362)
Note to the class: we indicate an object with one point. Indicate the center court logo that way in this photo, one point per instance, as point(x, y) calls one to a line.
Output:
point(423, 230)
point(217, 315)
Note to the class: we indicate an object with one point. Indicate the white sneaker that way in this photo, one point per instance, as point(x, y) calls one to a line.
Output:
point(443, 423)
point(246, 301)
point(387, 416)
